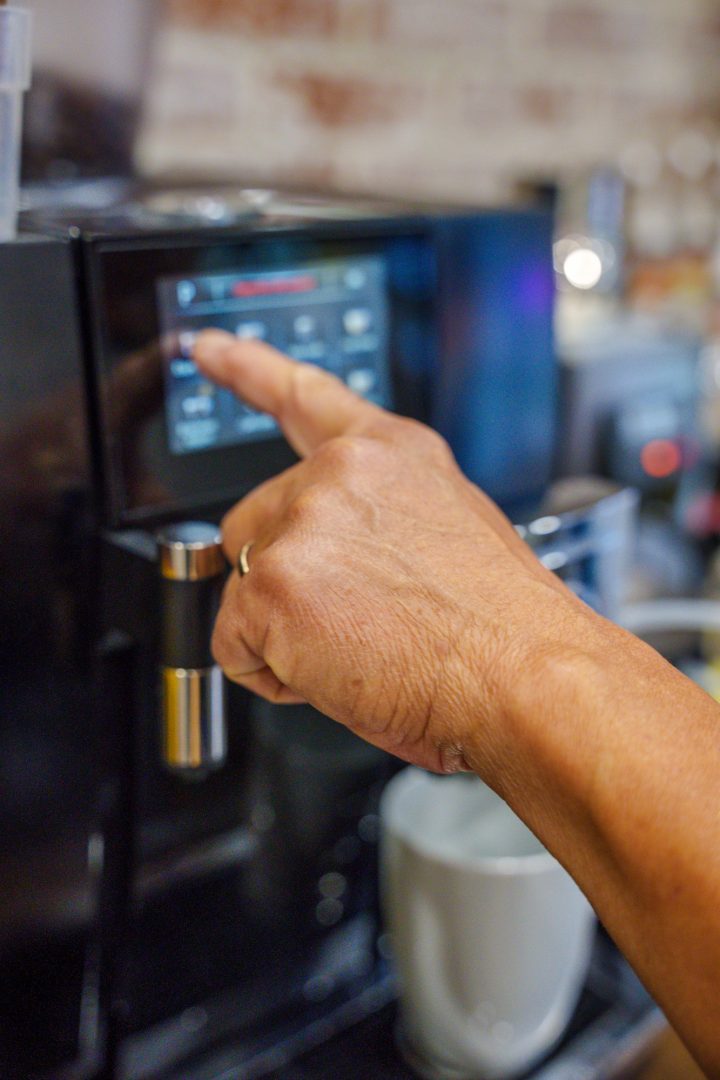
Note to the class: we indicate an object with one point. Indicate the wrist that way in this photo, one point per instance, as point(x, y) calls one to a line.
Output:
point(528, 708)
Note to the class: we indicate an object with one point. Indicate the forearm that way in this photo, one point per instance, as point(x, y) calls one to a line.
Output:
point(389, 592)
point(613, 758)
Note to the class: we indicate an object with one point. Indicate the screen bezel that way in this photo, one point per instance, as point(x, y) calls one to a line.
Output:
point(124, 272)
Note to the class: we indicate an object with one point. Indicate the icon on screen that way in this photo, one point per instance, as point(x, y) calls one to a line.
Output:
point(181, 368)
point(186, 292)
point(354, 278)
point(246, 331)
point(362, 380)
point(198, 406)
point(357, 321)
point(305, 327)
point(186, 341)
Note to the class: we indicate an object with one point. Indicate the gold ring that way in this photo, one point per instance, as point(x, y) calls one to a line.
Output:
point(243, 566)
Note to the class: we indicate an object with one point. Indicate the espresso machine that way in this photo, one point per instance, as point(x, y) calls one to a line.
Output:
point(189, 873)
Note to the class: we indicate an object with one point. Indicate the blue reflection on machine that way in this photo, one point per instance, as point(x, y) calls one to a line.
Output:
point(496, 389)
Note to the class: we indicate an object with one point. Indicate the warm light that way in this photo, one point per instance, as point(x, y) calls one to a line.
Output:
point(661, 458)
point(583, 268)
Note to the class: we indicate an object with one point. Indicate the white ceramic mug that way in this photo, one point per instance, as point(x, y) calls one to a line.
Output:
point(491, 936)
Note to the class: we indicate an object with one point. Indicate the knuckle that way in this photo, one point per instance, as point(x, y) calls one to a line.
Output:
point(343, 454)
point(273, 574)
point(307, 507)
point(275, 694)
point(427, 440)
point(289, 583)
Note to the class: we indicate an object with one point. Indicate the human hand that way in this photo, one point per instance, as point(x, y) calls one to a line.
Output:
point(391, 594)
point(384, 587)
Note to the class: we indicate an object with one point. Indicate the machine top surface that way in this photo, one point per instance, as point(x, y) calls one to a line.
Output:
point(108, 209)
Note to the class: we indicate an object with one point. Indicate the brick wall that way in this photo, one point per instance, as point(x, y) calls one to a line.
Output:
point(428, 97)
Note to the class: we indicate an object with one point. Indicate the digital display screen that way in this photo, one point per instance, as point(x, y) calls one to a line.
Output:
point(333, 313)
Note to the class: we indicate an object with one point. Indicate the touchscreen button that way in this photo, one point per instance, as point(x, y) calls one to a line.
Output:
point(333, 313)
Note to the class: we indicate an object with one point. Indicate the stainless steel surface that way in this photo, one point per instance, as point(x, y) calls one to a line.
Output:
point(193, 709)
point(585, 533)
point(213, 206)
point(190, 551)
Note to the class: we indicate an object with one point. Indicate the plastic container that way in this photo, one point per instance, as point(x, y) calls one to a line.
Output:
point(15, 40)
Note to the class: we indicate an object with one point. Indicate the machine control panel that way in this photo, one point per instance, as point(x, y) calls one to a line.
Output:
point(171, 443)
point(333, 313)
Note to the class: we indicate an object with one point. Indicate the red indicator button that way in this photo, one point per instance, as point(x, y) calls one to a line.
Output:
point(299, 283)
point(661, 458)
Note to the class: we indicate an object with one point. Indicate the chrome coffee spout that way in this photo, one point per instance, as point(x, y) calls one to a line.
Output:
point(192, 568)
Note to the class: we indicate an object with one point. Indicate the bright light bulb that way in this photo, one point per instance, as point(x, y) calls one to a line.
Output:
point(583, 268)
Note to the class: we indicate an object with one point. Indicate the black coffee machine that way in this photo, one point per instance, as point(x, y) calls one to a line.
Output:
point(189, 874)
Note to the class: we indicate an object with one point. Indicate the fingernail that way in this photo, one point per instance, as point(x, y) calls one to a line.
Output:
point(210, 346)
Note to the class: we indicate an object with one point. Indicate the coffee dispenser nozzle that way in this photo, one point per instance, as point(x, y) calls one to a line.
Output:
point(194, 724)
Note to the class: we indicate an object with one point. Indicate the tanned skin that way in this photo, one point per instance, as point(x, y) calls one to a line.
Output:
point(390, 593)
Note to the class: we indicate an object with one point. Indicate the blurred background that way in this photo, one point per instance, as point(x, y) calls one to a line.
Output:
point(457, 99)
point(605, 111)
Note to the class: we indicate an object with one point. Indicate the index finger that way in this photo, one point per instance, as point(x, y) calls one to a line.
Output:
point(310, 404)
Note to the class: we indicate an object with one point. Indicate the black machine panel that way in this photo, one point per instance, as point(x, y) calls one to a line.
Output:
point(180, 929)
point(56, 763)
